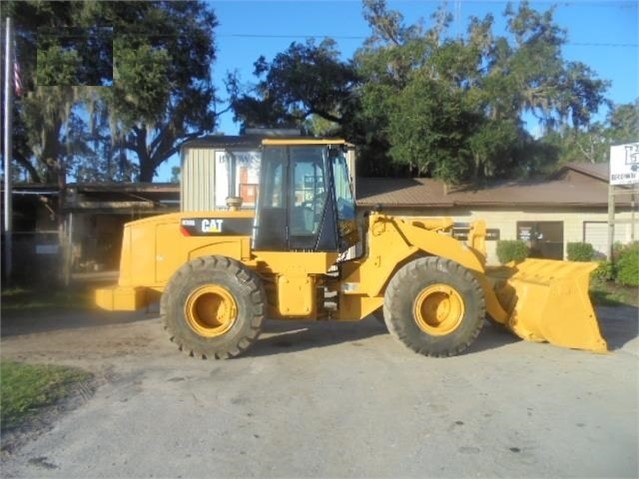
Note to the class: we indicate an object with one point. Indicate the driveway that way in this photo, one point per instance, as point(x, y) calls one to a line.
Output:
point(329, 400)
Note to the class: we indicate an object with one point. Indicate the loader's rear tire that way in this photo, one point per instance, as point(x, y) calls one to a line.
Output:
point(434, 306)
point(213, 307)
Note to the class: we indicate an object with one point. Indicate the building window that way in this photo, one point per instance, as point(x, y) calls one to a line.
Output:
point(544, 238)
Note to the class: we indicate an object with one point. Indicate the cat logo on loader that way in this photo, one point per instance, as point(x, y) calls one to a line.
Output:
point(285, 260)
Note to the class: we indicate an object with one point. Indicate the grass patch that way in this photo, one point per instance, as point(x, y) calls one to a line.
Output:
point(22, 300)
point(27, 389)
point(609, 293)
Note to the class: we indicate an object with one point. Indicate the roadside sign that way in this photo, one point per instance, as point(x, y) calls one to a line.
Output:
point(624, 164)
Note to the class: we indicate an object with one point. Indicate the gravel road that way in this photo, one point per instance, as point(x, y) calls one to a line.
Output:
point(328, 400)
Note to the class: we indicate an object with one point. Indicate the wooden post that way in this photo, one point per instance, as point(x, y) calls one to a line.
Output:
point(613, 192)
point(632, 216)
point(611, 220)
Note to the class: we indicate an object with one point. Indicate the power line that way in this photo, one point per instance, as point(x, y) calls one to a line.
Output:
point(294, 36)
point(361, 37)
point(558, 3)
point(624, 45)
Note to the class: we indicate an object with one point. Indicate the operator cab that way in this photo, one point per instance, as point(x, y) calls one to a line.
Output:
point(305, 201)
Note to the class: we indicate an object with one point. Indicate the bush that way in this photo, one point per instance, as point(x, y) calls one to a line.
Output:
point(580, 252)
point(511, 250)
point(606, 271)
point(627, 265)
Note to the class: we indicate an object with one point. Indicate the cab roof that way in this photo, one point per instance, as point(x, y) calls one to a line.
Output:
point(303, 141)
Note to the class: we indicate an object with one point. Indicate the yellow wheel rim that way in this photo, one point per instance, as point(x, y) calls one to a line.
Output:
point(439, 310)
point(210, 311)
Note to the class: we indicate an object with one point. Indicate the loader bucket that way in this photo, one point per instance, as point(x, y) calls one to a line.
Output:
point(547, 300)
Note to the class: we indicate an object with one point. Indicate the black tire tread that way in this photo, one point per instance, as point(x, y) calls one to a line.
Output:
point(404, 328)
point(233, 269)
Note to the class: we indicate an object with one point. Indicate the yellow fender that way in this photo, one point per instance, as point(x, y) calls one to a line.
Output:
point(472, 256)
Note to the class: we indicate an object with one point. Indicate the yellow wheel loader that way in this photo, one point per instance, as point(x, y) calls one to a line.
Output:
point(221, 273)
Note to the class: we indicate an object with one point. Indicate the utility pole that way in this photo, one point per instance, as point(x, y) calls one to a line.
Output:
point(8, 150)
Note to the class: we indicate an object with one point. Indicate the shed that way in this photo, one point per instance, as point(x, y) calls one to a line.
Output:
point(216, 167)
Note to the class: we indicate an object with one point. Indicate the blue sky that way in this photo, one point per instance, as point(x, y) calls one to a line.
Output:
point(601, 33)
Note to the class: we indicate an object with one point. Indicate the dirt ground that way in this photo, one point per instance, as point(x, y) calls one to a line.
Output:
point(139, 376)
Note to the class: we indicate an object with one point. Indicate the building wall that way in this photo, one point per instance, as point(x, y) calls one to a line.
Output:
point(574, 221)
point(197, 185)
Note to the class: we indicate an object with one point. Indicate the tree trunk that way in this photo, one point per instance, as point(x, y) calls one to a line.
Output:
point(34, 176)
point(147, 169)
point(51, 152)
point(147, 163)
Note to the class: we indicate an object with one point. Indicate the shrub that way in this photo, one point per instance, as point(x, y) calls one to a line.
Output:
point(511, 250)
point(627, 265)
point(580, 252)
point(606, 271)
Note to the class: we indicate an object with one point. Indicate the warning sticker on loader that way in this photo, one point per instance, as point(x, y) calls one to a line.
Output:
point(492, 234)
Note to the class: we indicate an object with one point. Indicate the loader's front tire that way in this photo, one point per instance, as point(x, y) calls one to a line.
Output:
point(434, 306)
point(213, 307)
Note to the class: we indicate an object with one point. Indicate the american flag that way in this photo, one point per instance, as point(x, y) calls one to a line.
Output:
point(17, 80)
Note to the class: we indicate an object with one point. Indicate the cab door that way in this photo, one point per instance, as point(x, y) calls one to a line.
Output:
point(296, 207)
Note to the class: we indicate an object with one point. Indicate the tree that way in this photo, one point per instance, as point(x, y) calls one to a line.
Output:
point(452, 108)
point(50, 53)
point(416, 101)
point(304, 81)
point(592, 143)
point(162, 93)
point(624, 123)
point(134, 80)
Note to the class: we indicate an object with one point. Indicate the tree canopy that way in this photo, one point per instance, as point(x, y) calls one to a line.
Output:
point(112, 88)
point(418, 101)
point(304, 81)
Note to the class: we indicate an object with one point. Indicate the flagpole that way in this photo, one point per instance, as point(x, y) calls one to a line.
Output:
point(8, 150)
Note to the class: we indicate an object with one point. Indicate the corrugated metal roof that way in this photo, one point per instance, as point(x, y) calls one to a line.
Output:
point(428, 192)
point(409, 192)
point(125, 187)
point(225, 141)
point(255, 140)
